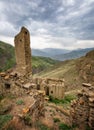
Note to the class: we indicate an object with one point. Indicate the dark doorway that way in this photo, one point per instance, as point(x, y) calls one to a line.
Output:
point(38, 87)
point(47, 91)
point(7, 85)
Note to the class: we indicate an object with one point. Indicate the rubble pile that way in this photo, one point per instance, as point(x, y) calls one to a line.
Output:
point(12, 82)
point(23, 87)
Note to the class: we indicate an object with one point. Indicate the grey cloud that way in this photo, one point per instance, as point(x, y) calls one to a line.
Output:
point(54, 18)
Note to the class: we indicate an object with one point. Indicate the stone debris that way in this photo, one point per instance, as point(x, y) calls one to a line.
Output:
point(82, 109)
point(86, 85)
point(3, 74)
point(7, 77)
point(27, 86)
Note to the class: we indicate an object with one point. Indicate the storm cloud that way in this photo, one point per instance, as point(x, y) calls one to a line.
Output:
point(52, 23)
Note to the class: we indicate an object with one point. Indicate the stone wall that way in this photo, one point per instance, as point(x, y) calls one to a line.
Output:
point(23, 51)
point(52, 87)
point(82, 109)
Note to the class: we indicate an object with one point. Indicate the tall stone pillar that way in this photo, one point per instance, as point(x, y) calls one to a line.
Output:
point(23, 52)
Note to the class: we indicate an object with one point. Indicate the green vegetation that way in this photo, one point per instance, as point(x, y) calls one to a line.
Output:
point(7, 59)
point(4, 119)
point(67, 99)
point(28, 120)
point(1, 97)
point(42, 63)
point(20, 102)
point(41, 126)
point(63, 126)
point(88, 128)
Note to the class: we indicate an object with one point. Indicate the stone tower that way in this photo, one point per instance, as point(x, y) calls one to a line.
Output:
point(23, 52)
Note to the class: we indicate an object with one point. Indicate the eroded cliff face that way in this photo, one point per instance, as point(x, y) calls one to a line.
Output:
point(85, 66)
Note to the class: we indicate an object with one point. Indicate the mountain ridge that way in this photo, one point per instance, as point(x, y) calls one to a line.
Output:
point(73, 54)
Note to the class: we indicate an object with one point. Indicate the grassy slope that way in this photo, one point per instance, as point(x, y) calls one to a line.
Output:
point(7, 59)
point(66, 70)
point(42, 63)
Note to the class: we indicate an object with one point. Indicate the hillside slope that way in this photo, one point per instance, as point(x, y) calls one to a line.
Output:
point(7, 59)
point(85, 66)
point(73, 71)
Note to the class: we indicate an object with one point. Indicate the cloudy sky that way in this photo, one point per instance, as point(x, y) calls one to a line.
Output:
point(66, 24)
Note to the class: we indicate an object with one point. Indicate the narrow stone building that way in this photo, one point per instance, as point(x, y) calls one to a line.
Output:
point(23, 52)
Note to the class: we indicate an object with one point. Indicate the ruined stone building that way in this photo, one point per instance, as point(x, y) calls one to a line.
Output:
point(52, 87)
point(23, 51)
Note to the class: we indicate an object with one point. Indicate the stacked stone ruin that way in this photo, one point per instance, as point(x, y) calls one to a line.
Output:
point(18, 86)
point(82, 109)
point(52, 87)
point(19, 82)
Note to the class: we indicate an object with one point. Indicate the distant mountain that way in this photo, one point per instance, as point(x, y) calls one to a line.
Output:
point(48, 52)
point(73, 54)
point(39, 52)
point(54, 51)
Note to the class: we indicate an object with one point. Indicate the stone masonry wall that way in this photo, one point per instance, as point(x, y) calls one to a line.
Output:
point(23, 51)
point(82, 109)
point(52, 87)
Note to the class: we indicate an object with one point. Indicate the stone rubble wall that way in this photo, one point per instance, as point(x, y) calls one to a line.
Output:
point(36, 109)
point(82, 109)
point(19, 89)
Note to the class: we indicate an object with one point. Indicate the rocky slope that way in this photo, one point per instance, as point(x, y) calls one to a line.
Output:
point(85, 66)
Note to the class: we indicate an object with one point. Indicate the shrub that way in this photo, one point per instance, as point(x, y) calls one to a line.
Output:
point(88, 128)
point(1, 97)
point(4, 119)
point(28, 120)
point(67, 99)
point(41, 126)
point(19, 102)
point(64, 127)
